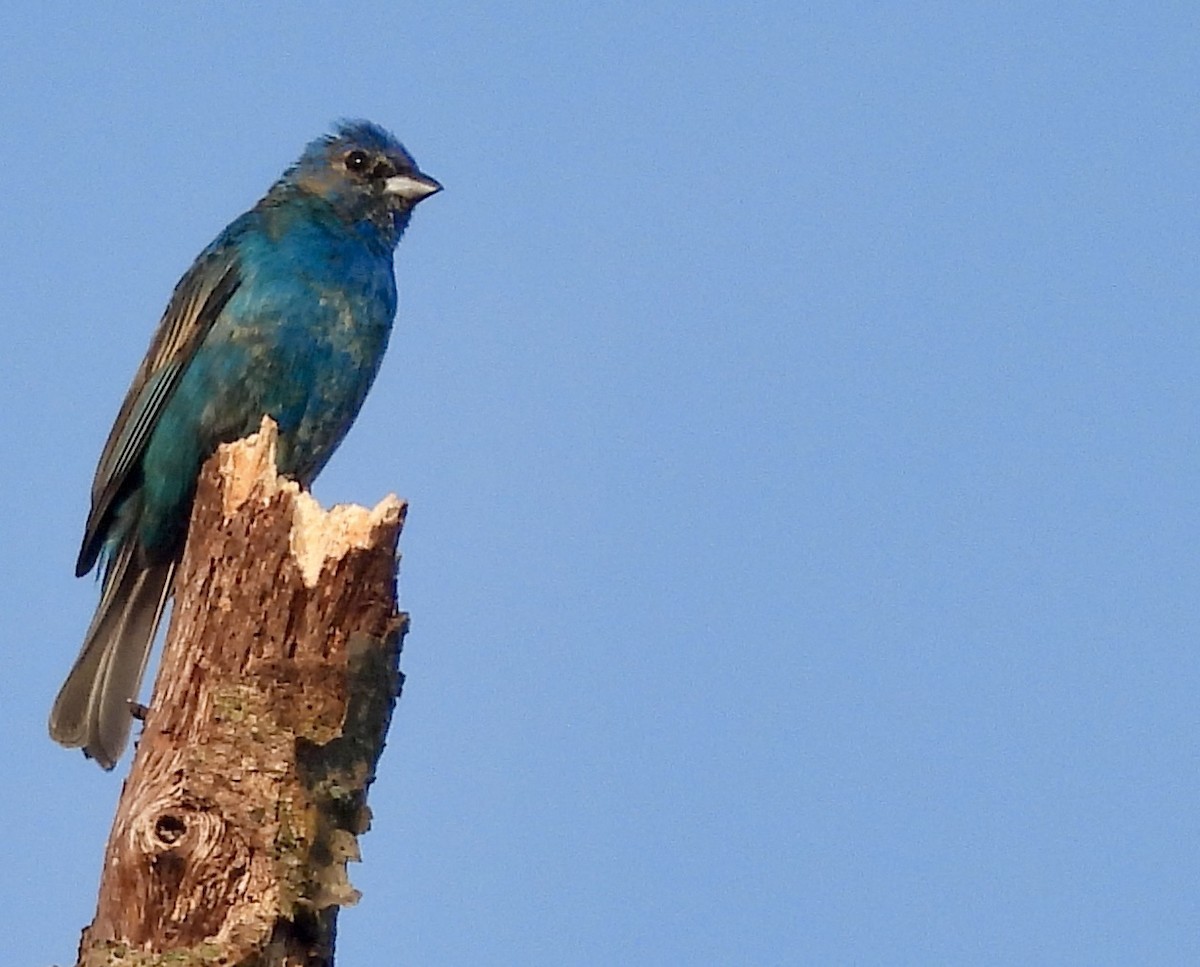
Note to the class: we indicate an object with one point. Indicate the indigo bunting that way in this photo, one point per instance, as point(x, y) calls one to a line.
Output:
point(287, 313)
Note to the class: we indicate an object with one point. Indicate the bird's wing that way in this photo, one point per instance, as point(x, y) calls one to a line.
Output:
point(195, 305)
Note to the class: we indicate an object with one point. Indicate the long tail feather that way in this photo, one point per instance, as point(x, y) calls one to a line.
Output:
point(92, 709)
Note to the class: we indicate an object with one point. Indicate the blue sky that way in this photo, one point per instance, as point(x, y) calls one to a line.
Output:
point(797, 407)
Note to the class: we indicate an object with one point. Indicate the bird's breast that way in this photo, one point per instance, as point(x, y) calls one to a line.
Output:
point(300, 340)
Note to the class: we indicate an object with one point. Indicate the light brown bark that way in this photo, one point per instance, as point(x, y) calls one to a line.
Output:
point(248, 789)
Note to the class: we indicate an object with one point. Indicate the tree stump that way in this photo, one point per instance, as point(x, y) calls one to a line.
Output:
point(248, 788)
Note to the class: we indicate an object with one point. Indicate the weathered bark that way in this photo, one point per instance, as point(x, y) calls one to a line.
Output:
point(248, 788)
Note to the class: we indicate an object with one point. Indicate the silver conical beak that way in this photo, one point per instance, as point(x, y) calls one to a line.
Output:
point(412, 188)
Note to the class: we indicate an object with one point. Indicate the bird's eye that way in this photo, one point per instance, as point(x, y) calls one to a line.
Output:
point(356, 160)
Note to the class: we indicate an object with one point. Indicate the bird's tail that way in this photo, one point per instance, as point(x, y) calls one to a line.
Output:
point(92, 709)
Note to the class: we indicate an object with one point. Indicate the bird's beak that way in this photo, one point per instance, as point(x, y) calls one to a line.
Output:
point(412, 188)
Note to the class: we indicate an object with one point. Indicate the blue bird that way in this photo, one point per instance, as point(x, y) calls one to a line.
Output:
point(287, 313)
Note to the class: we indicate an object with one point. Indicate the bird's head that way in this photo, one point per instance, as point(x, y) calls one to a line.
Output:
point(365, 174)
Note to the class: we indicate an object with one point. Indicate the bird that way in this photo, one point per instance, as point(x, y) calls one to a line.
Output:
point(286, 313)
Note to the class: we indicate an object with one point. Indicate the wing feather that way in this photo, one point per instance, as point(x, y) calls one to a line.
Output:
point(198, 300)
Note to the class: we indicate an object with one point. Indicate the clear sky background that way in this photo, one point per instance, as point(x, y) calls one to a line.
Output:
point(798, 409)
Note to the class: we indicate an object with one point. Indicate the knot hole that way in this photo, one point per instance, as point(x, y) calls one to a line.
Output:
point(169, 829)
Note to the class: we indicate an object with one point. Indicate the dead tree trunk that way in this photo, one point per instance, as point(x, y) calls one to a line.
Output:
point(248, 788)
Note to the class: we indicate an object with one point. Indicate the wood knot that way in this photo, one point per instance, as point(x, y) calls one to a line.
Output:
point(188, 852)
point(181, 828)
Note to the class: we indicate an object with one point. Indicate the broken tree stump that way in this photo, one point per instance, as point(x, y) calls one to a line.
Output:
point(276, 687)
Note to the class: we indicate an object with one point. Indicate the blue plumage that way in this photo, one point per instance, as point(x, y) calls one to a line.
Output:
point(286, 313)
